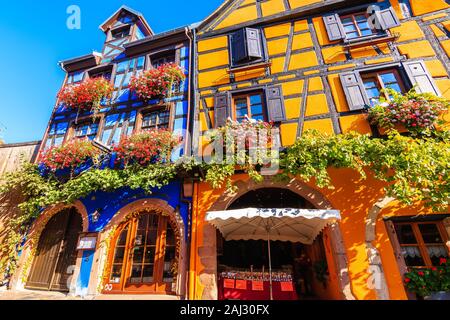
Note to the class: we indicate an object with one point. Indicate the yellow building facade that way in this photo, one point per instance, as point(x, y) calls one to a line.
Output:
point(314, 64)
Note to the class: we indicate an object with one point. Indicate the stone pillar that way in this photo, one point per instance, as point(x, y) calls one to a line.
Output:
point(208, 257)
point(341, 261)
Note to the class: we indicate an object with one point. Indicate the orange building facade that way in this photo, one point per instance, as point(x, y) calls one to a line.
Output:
point(313, 64)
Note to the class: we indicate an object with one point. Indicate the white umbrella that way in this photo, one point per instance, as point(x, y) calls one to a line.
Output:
point(295, 225)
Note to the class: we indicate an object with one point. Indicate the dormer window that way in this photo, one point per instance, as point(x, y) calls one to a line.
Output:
point(120, 33)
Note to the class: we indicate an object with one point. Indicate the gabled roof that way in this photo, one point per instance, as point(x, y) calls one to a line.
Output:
point(104, 26)
point(86, 61)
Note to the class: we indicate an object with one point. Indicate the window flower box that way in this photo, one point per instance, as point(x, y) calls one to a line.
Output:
point(87, 95)
point(71, 158)
point(145, 148)
point(414, 112)
point(430, 284)
point(158, 82)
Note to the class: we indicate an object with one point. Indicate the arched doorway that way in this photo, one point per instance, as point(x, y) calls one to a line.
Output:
point(299, 268)
point(56, 252)
point(144, 255)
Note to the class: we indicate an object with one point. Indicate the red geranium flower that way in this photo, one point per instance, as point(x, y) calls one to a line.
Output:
point(442, 261)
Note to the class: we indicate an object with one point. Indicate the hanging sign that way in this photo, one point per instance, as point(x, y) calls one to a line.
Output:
point(228, 283)
point(241, 284)
point(87, 241)
point(287, 287)
point(257, 285)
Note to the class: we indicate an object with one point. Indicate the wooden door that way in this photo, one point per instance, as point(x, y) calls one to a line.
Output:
point(67, 258)
point(141, 260)
point(56, 251)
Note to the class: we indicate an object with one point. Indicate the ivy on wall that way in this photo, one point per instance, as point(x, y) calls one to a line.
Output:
point(414, 169)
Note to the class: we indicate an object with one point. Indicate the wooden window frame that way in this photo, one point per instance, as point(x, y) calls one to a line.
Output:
point(247, 96)
point(73, 124)
point(355, 24)
point(420, 242)
point(158, 108)
point(376, 75)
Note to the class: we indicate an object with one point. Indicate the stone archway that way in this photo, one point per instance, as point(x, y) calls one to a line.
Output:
point(33, 236)
point(208, 255)
point(100, 258)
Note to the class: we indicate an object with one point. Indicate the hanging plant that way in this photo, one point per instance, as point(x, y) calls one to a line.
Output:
point(70, 155)
point(158, 82)
point(417, 112)
point(86, 96)
point(147, 147)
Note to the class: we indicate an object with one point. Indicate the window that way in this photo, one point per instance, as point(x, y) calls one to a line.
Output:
point(357, 25)
point(422, 243)
point(125, 70)
point(249, 105)
point(120, 32)
point(86, 130)
point(56, 134)
point(377, 81)
point(75, 77)
point(118, 125)
point(156, 120)
point(246, 47)
point(158, 60)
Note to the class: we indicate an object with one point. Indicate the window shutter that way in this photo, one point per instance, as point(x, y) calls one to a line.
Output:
point(334, 27)
point(420, 77)
point(386, 18)
point(222, 110)
point(354, 90)
point(254, 47)
point(275, 104)
point(238, 46)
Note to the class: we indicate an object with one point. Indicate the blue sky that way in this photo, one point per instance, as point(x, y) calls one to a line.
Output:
point(35, 38)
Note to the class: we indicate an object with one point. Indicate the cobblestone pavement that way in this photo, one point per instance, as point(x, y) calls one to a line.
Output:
point(44, 295)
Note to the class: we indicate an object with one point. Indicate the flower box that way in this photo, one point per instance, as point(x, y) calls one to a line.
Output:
point(87, 95)
point(71, 158)
point(413, 112)
point(145, 148)
point(157, 83)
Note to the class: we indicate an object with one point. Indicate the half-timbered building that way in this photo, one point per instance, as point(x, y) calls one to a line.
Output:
point(315, 64)
point(131, 242)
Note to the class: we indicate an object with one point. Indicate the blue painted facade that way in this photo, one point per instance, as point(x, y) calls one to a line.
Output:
point(119, 118)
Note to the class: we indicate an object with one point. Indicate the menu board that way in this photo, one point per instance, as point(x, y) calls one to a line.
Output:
point(87, 242)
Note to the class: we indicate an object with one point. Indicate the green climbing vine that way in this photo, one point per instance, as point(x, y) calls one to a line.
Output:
point(414, 169)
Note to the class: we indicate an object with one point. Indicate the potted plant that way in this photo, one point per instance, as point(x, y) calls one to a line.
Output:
point(157, 82)
point(417, 112)
point(87, 95)
point(70, 157)
point(146, 147)
point(431, 284)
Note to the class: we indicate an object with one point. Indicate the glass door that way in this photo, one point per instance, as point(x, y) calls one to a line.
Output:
point(143, 257)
